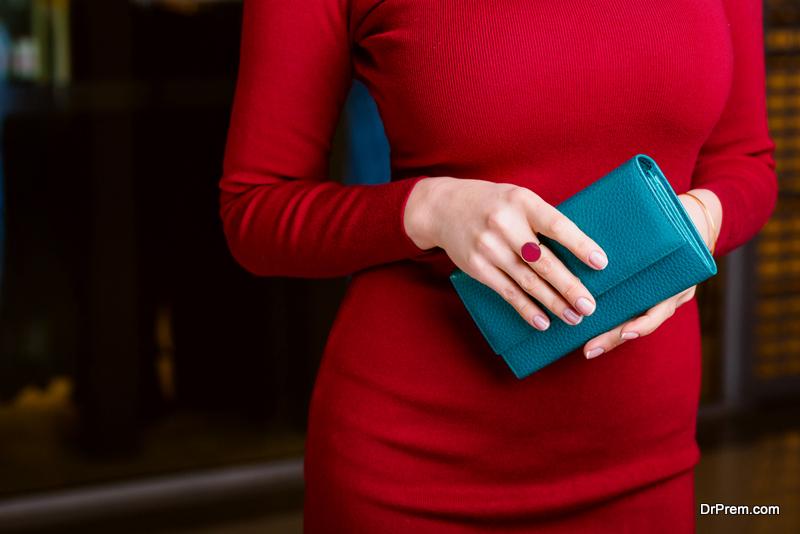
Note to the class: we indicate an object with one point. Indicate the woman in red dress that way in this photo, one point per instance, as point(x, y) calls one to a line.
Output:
point(495, 112)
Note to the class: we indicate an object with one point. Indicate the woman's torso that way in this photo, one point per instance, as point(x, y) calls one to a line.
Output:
point(412, 409)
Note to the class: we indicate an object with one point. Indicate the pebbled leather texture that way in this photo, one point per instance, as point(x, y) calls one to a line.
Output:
point(654, 252)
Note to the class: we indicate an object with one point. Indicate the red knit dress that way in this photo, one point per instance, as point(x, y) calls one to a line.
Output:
point(415, 424)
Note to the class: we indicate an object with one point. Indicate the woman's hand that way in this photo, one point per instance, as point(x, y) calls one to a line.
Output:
point(655, 316)
point(482, 227)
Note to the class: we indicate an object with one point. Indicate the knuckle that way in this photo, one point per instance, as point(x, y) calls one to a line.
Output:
point(529, 282)
point(558, 223)
point(475, 262)
point(534, 202)
point(572, 289)
point(498, 220)
point(484, 242)
point(510, 292)
point(545, 265)
point(517, 195)
point(526, 309)
point(556, 305)
point(584, 248)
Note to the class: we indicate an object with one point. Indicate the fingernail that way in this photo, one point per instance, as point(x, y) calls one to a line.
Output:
point(584, 306)
point(540, 322)
point(630, 335)
point(598, 260)
point(571, 316)
point(594, 353)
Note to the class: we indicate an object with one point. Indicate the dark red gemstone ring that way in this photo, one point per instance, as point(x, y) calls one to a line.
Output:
point(531, 252)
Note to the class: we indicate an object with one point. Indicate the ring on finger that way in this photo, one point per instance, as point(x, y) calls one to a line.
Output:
point(530, 252)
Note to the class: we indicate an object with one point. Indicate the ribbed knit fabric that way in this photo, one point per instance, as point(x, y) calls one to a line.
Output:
point(415, 424)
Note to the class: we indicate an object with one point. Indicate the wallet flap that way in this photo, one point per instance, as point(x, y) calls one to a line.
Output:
point(624, 212)
point(665, 278)
point(499, 322)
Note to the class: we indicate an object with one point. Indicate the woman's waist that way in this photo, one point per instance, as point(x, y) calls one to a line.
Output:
point(415, 306)
point(407, 347)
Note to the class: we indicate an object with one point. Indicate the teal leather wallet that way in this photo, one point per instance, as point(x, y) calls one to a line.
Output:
point(654, 252)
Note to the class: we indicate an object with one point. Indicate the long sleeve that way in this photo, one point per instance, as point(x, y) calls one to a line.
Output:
point(281, 214)
point(736, 161)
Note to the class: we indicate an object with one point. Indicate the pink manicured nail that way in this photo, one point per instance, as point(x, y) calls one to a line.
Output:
point(594, 353)
point(531, 252)
point(540, 322)
point(584, 306)
point(630, 335)
point(598, 260)
point(571, 316)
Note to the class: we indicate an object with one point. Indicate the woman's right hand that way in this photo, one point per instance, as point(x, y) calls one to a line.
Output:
point(482, 227)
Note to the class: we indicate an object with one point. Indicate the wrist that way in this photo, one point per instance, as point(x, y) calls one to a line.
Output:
point(705, 210)
point(698, 217)
point(417, 218)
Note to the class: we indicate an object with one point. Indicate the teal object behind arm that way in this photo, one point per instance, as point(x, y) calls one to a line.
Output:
point(654, 252)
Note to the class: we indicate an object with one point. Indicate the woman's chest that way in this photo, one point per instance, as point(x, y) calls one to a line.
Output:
point(474, 80)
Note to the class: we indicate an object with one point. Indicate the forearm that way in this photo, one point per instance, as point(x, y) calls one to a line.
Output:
point(308, 229)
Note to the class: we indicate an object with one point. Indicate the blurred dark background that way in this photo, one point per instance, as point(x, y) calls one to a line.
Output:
point(148, 383)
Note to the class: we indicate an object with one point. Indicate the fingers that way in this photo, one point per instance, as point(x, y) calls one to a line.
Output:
point(538, 287)
point(643, 325)
point(562, 293)
point(564, 283)
point(547, 220)
point(511, 292)
point(612, 339)
point(501, 263)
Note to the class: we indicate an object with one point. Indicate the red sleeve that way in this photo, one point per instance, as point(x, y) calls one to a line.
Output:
point(736, 160)
point(281, 214)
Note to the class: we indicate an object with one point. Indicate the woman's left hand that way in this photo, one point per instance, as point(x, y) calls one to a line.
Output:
point(655, 316)
point(638, 326)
